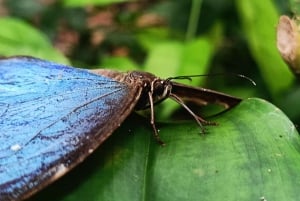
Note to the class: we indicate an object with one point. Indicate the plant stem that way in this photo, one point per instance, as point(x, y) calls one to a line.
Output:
point(193, 20)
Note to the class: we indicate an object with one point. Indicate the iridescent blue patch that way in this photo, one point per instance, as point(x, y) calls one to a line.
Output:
point(51, 117)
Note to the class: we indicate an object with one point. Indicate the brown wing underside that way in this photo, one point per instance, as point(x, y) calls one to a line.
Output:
point(202, 96)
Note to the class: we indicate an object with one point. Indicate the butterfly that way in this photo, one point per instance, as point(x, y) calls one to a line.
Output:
point(53, 116)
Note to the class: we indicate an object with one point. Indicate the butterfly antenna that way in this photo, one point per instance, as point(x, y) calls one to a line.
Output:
point(189, 77)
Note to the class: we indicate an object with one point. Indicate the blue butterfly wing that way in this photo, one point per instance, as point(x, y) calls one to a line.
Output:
point(51, 117)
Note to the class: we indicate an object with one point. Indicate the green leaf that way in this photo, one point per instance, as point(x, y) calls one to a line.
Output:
point(252, 154)
point(119, 63)
point(180, 58)
point(259, 19)
point(19, 38)
point(295, 7)
point(151, 37)
point(75, 3)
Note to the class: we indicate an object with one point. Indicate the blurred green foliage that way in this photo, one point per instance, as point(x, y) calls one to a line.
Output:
point(165, 37)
